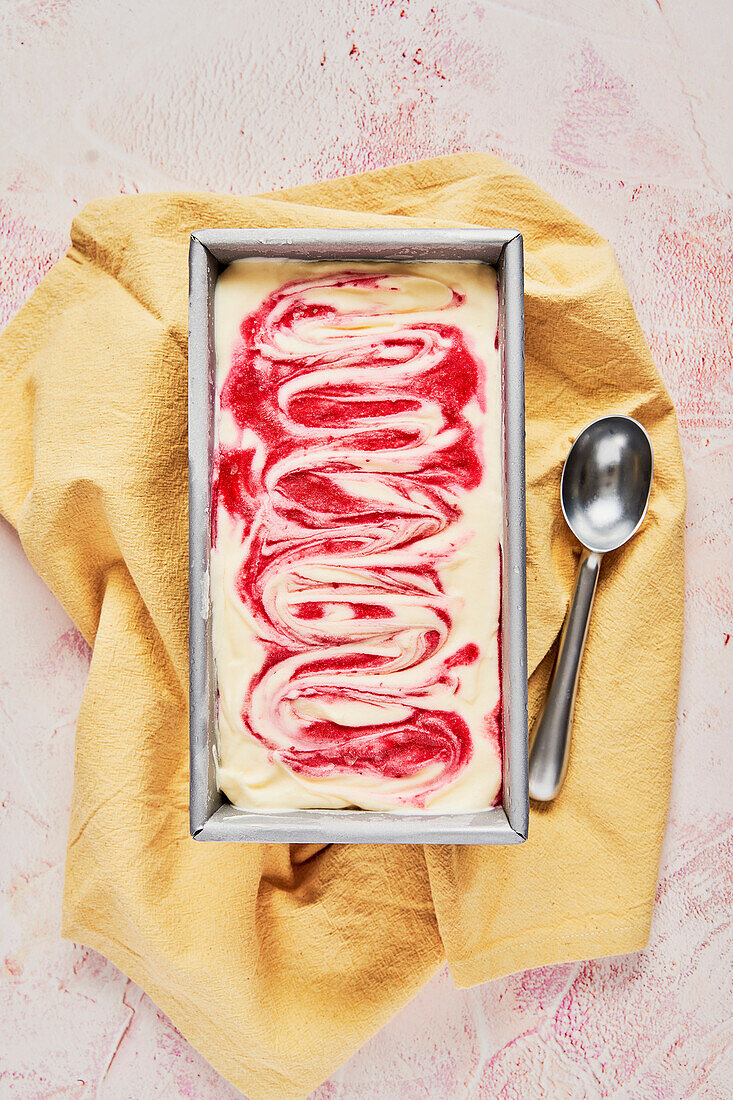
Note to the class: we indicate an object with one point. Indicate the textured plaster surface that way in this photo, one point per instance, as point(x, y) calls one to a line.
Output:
point(621, 109)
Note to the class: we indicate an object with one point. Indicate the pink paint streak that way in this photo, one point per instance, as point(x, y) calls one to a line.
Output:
point(26, 254)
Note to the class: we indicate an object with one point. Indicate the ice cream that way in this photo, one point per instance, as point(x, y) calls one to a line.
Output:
point(356, 519)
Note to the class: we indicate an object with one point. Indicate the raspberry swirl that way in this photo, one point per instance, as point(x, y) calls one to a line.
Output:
point(354, 407)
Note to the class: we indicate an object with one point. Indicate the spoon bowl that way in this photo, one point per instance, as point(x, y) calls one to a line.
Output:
point(606, 482)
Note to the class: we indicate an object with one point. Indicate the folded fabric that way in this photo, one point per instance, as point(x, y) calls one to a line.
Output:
point(279, 961)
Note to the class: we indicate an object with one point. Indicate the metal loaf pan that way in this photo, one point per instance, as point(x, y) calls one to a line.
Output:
point(212, 817)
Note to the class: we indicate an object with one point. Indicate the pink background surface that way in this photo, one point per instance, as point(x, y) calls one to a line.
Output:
point(621, 110)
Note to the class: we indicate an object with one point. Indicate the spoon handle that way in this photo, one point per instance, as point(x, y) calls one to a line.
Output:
point(548, 758)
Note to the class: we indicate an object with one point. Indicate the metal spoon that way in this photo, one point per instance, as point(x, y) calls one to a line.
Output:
point(604, 493)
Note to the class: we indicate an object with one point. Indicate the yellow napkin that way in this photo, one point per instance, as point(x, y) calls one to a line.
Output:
point(277, 962)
